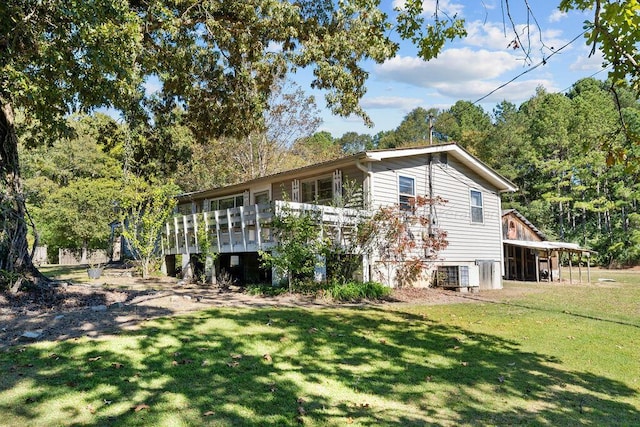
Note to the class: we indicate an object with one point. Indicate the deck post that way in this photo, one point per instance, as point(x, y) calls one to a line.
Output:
point(195, 230)
point(230, 230)
point(243, 229)
point(186, 234)
point(218, 233)
point(588, 267)
point(175, 233)
point(258, 231)
point(570, 270)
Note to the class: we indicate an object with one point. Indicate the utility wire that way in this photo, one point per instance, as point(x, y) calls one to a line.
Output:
point(543, 62)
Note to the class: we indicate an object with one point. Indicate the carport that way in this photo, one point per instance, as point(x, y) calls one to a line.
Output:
point(534, 260)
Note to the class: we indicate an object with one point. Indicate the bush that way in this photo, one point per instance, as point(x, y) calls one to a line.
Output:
point(265, 289)
point(356, 291)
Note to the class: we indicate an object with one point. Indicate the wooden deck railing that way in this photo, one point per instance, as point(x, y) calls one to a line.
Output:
point(248, 228)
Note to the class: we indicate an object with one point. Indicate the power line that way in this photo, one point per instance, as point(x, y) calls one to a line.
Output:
point(543, 62)
point(588, 77)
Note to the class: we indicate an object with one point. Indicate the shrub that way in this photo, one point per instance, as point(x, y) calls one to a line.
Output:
point(265, 289)
point(356, 291)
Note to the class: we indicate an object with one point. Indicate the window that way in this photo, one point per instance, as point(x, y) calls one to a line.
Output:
point(406, 192)
point(476, 207)
point(453, 276)
point(261, 198)
point(228, 202)
point(317, 191)
point(185, 209)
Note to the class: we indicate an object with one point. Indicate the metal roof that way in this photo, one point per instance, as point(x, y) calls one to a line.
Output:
point(549, 246)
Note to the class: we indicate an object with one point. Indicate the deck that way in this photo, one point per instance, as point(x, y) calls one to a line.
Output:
point(248, 228)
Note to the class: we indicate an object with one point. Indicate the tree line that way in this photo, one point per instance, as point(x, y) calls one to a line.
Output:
point(576, 173)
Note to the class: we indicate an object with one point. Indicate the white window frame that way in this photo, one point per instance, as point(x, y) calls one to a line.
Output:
point(216, 202)
point(406, 205)
point(315, 181)
point(473, 206)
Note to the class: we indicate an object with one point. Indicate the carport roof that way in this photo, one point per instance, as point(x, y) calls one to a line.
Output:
point(548, 246)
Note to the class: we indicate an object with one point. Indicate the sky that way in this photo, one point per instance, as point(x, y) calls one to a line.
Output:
point(471, 68)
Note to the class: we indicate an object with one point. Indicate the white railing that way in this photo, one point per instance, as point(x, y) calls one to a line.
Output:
point(247, 228)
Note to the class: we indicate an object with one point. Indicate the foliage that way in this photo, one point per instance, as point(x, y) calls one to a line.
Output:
point(317, 148)
point(78, 215)
point(206, 256)
point(144, 209)
point(299, 244)
point(71, 185)
point(265, 289)
point(356, 291)
point(407, 242)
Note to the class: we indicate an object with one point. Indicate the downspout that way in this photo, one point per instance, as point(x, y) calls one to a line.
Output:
point(430, 184)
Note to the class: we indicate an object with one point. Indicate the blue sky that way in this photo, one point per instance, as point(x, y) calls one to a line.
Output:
point(472, 67)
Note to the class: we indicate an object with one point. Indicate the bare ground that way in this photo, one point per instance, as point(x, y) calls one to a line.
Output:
point(93, 310)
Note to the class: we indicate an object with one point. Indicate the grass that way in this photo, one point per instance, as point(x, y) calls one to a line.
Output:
point(545, 355)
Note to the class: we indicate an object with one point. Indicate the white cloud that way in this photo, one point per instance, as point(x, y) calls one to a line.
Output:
point(382, 102)
point(461, 74)
point(584, 62)
point(494, 35)
point(557, 15)
point(516, 91)
point(452, 66)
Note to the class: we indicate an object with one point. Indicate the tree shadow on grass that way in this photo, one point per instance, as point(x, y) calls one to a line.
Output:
point(286, 366)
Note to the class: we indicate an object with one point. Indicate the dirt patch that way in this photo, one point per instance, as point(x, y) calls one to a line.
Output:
point(75, 310)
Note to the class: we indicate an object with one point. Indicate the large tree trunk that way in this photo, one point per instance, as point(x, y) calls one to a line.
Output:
point(15, 259)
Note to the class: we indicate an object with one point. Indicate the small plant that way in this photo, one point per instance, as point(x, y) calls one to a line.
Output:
point(225, 280)
point(357, 291)
point(8, 279)
point(266, 289)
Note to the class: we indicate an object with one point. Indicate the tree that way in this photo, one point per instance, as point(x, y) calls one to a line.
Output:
point(144, 210)
point(290, 116)
point(317, 148)
point(217, 59)
point(77, 216)
point(299, 244)
point(54, 56)
point(413, 130)
point(353, 142)
point(465, 123)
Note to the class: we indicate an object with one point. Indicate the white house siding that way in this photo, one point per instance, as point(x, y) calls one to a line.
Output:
point(386, 178)
point(468, 242)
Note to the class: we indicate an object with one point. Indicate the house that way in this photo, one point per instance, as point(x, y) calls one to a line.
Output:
point(530, 256)
point(237, 217)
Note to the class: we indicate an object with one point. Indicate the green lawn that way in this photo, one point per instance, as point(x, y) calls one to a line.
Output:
point(559, 355)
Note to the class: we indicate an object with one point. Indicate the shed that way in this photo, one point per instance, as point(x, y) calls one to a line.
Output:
point(530, 256)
